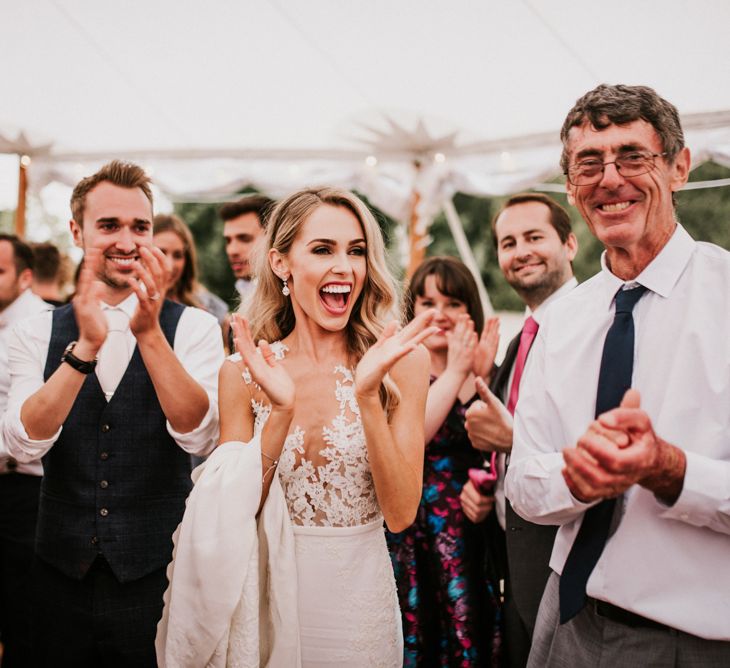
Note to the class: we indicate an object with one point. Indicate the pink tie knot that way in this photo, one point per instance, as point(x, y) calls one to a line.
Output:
point(530, 326)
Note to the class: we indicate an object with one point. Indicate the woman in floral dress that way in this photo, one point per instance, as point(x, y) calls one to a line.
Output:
point(450, 606)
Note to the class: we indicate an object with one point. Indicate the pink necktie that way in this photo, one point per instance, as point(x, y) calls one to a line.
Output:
point(529, 331)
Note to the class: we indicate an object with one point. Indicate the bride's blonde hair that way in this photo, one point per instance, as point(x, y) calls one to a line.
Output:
point(270, 313)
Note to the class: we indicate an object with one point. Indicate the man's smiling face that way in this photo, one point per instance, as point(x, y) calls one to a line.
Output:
point(531, 255)
point(117, 221)
point(634, 214)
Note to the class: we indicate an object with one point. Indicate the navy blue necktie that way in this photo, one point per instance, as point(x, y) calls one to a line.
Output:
point(617, 365)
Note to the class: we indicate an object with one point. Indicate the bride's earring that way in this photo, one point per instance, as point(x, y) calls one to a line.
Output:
point(284, 288)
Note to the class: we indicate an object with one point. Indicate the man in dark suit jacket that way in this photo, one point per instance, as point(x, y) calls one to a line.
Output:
point(535, 248)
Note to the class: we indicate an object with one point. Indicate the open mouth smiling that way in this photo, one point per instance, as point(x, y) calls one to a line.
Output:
point(615, 207)
point(123, 262)
point(335, 297)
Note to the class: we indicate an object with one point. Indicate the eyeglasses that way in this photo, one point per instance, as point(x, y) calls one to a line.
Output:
point(589, 172)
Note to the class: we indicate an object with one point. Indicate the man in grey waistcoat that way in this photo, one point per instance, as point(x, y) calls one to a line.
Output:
point(114, 392)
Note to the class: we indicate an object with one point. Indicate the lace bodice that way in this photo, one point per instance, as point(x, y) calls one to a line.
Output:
point(326, 477)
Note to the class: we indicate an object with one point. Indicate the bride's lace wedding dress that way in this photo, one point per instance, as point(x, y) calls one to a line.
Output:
point(348, 607)
point(345, 601)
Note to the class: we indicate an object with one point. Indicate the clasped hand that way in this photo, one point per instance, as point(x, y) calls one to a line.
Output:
point(620, 449)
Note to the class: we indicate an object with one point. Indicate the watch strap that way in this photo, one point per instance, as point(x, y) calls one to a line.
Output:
point(74, 362)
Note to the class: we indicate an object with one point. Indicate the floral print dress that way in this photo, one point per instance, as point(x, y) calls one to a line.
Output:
point(449, 604)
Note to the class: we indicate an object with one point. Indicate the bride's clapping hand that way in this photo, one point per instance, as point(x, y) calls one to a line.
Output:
point(392, 345)
point(263, 366)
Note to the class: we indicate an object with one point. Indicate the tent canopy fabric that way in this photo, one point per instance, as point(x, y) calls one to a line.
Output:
point(383, 96)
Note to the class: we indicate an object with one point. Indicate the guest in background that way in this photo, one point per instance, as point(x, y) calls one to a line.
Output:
point(451, 611)
point(173, 237)
point(244, 223)
point(19, 483)
point(535, 249)
point(49, 273)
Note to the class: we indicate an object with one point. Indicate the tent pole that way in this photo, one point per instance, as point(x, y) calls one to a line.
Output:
point(417, 242)
point(416, 238)
point(23, 163)
point(467, 257)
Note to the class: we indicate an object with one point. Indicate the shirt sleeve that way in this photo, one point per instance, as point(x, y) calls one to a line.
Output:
point(199, 347)
point(534, 483)
point(27, 352)
point(705, 497)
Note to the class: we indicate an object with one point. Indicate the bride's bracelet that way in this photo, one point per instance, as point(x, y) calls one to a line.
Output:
point(272, 466)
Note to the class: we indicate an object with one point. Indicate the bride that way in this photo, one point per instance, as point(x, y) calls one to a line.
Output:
point(281, 559)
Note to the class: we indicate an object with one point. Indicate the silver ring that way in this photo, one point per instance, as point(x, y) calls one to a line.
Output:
point(155, 296)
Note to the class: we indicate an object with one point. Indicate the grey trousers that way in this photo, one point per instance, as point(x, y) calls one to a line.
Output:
point(591, 641)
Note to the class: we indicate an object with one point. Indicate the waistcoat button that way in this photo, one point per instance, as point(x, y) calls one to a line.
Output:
point(105, 428)
point(103, 512)
point(103, 484)
point(104, 456)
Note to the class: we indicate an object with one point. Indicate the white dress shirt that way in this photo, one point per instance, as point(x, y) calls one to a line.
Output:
point(667, 563)
point(27, 304)
point(538, 314)
point(245, 289)
point(197, 345)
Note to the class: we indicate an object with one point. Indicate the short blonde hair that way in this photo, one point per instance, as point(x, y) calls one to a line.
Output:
point(117, 172)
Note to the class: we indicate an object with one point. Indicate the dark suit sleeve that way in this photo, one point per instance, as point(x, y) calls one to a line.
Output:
point(501, 375)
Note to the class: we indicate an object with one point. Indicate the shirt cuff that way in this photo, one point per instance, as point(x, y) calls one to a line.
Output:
point(537, 491)
point(19, 445)
point(705, 497)
point(201, 440)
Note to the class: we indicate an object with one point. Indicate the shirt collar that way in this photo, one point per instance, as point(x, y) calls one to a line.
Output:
point(662, 273)
point(244, 286)
point(539, 313)
point(128, 305)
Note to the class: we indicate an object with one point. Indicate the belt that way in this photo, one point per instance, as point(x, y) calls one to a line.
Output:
point(625, 617)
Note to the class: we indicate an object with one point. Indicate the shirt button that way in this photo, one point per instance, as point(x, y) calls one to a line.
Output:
point(104, 484)
point(103, 512)
point(105, 428)
point(104, 456)
point(94, 540)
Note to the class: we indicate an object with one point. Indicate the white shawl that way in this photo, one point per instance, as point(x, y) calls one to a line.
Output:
point(232, 594)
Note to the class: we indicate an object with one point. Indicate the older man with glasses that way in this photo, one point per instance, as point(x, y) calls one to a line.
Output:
point(622, 434)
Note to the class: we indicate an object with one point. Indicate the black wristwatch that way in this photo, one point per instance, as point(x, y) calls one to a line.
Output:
point(75, 362)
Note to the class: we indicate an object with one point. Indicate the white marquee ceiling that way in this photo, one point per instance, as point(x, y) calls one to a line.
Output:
point(282, 92)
